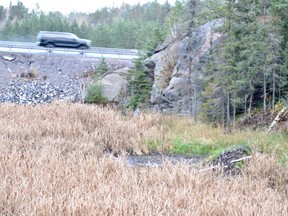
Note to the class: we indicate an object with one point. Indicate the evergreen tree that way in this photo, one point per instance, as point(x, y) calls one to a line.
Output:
point(156, 39)
point(176, 18)
point(140, 86)
point(249, 66)
point(74, 28)
point(2, 13)
point(8, 30)
point(17, 11)
point(84, 31)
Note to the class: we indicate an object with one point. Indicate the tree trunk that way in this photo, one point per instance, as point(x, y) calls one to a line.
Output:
point(234, 113)
point(223, 112)
point(228, 121)
point(273, 90)
point(264, 93)
point(173, 32)
point(250, 103)
point(245, 105)
point(190, 83)
point(192, 8)
point(195, 101)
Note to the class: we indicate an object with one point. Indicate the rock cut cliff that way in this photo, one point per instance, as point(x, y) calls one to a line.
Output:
point(178, 70)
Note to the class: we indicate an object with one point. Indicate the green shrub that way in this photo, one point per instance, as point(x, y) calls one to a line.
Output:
point(94, 93)
point(94, 90)
point(101, 69)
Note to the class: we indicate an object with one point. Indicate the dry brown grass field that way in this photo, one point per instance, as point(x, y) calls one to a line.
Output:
point(59, 159)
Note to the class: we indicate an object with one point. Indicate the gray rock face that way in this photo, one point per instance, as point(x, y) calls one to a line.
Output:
point(178, 71)
point(115, 85)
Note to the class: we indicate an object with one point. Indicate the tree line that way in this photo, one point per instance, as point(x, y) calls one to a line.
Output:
point(138, 26)
point(249, 69)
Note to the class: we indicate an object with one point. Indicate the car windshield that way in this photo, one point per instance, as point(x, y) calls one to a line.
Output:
point(74, 36)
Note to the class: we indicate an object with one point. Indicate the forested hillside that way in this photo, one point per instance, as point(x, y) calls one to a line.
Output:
point(139, 26)
point(248, 71)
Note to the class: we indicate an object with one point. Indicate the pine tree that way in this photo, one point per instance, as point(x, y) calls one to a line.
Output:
point(177, 17)
point(2, 13)
point(140, 86)
point(250, 61)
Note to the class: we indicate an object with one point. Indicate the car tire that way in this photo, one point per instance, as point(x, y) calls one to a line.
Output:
point(50, 45)
point(83, 47)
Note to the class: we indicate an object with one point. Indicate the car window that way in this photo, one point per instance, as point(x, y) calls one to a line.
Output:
point(74, 36)
point(70, 37)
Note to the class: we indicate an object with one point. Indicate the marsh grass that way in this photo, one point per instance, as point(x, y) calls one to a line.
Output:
point(54, 161)
point(186, 136)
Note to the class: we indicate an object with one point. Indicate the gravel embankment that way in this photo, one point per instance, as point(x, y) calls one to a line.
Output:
point(34, 92)
point(54, 76)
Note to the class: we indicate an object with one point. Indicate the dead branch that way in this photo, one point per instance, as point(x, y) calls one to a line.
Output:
point(276, 120)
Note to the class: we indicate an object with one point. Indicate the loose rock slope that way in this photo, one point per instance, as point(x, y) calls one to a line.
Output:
point(34, 92)
point(34, 79)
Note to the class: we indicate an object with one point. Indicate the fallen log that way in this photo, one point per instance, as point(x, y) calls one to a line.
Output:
point(276, 120)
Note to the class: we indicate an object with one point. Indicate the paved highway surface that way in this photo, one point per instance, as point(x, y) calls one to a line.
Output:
point(97, 52)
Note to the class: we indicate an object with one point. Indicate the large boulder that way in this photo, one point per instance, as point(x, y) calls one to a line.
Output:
point(178, 70)
point(115, 85)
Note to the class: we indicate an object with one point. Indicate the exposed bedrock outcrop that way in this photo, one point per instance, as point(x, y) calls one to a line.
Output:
point(178, 70)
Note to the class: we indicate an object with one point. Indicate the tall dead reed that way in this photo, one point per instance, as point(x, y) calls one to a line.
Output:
point(68, 127)
point(52, 163)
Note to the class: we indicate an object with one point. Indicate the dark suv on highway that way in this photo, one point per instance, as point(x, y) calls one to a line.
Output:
point(61, 39)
